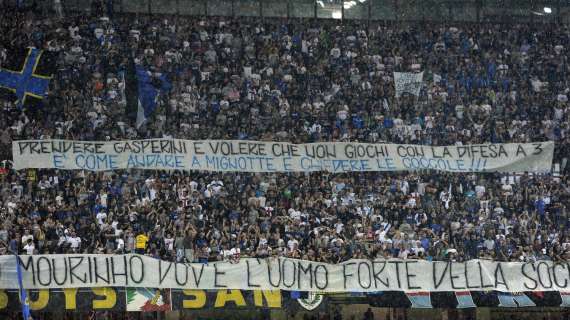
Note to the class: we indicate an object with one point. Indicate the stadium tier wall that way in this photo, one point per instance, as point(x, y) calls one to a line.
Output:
point(369, 10)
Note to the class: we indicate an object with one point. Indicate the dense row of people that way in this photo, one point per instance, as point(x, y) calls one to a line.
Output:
point(317, 216)
point(298, 81)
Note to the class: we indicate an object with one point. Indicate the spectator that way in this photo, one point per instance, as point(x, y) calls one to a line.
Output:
point(29, 247)
point(74, 242)
point(141, 242)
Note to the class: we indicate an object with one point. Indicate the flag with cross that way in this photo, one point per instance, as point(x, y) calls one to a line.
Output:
point(25, 76)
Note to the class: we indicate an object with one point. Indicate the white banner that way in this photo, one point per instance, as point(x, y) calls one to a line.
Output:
point(257, 156)
point(408, 82)
point(79, 271)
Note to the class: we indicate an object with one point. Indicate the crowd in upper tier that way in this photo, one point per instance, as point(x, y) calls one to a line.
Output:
point(296, 81)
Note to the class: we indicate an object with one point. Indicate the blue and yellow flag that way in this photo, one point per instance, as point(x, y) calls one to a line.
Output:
point(25, 76)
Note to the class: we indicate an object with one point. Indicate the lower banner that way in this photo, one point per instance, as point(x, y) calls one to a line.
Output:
point(414, 277)
point(150, 300)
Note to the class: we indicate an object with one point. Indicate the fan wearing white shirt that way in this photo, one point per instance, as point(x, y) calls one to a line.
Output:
point(216, 186)
point(235, 253)
point(292, 243)
point(169, 242)
point(27, 236)
point(29, 247)
point(445, 197)
point(120, 245)
point(59, 199)
point(103, 197)
point(101, 216)
point(226, 253)
point(74, 242)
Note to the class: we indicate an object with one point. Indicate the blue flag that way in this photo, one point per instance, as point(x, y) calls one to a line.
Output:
point(23, 295)
point(25, 76)
point(149, 89)
point(295, 295)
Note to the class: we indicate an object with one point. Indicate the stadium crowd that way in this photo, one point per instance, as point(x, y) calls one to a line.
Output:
point(297, 81)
